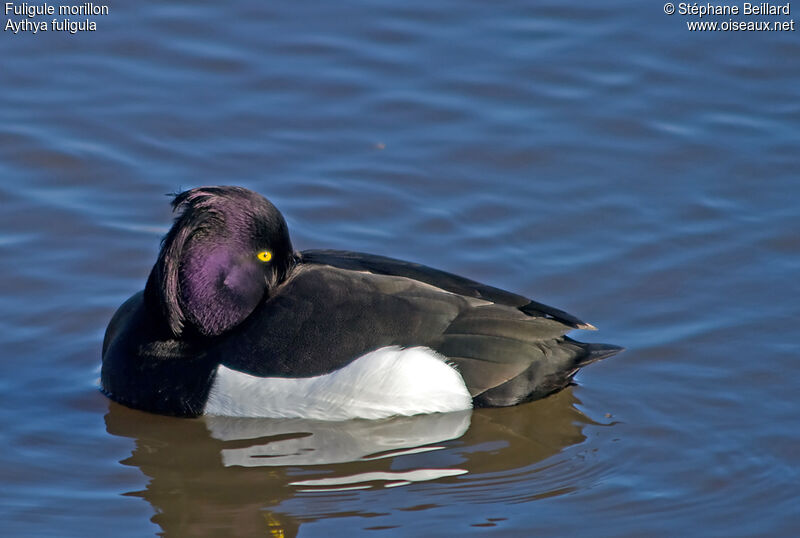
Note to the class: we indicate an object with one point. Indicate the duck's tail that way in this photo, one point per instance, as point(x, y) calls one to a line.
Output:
point(595, 352)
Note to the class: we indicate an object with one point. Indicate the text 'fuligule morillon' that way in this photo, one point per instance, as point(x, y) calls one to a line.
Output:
point(34, 10)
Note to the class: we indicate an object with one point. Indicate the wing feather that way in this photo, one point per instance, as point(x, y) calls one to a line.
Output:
point(358, 261)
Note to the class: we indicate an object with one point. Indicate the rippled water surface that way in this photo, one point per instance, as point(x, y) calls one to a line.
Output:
point(594, 156)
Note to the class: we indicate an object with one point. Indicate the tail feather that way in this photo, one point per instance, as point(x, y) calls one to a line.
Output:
point(597, 352)
point(549, 370)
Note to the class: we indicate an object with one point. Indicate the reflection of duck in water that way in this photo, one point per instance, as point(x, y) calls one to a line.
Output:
point(234, 322)
point(316, 442)
point(203, 480)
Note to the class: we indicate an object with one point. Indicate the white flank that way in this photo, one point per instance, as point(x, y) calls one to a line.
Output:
point(385, 382)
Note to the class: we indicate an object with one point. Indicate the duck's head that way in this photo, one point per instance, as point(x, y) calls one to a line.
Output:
point(227, 249)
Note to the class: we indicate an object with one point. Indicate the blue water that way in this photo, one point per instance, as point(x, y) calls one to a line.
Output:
point(597, 157)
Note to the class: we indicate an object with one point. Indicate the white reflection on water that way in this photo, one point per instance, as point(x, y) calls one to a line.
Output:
point(310, 442)
point(392, 479)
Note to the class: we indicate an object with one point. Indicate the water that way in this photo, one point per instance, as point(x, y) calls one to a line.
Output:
point(600, 158)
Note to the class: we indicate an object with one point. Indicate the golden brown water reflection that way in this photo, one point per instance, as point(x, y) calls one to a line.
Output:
point(218, 474)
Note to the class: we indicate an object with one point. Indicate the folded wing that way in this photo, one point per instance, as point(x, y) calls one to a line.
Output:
point(340, 306)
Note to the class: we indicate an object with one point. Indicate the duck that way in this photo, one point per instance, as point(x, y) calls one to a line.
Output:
point(233, 321)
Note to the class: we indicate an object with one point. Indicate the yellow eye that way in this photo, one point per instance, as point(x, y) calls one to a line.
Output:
point(265, 255)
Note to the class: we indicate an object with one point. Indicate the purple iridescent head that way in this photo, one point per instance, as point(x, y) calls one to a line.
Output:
point(227, 249)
